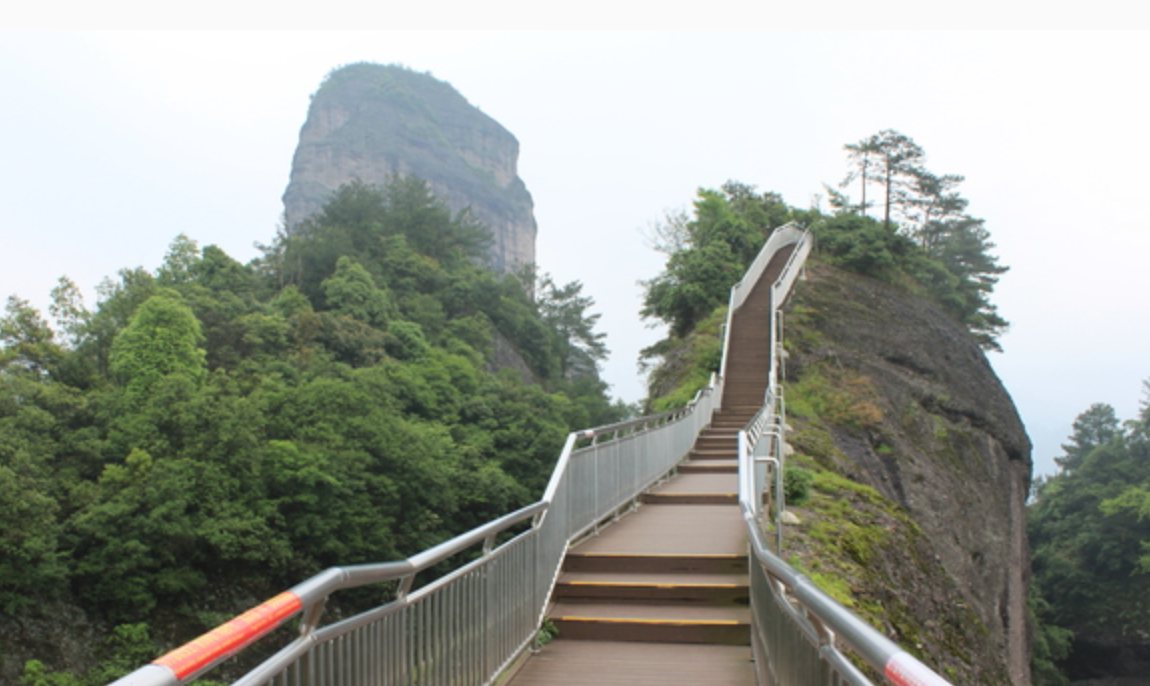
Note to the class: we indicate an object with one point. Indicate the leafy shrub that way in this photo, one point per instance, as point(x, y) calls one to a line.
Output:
point(797, 485)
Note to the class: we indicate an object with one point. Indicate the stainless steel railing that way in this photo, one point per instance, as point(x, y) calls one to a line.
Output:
point(798, 633)
point(466, 627)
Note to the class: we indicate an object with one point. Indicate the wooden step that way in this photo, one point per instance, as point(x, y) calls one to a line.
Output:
point(718, 425)
point(578, 663)
point(717, 443)
point(712, 434)
point(699, 483)
point(730, 445)
point(741, 411)
point(690, 498)
point(716, 563)
point(653, 588)
point(712, 466)
point(714, 454)
point(705, 441)
point(736, 419)
point(652, 623)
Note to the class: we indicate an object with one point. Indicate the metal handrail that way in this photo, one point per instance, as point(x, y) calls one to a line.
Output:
point(196, 657)
point(781, 237)
point(832, 622)
point(793, 621)
point(589, 483)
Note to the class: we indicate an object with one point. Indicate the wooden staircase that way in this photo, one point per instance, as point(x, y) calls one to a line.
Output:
point(670, 579)
point(676, 570)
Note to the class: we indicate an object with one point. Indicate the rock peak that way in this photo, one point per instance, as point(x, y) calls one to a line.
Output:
point(370, 121)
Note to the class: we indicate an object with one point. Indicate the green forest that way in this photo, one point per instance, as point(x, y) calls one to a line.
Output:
point(1089, 530)
point(212, 433)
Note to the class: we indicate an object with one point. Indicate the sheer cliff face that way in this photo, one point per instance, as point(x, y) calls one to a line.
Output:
point(370, 121)
point(928, 425)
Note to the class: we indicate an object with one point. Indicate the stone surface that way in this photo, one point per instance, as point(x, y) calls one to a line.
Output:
point(950, 448)
point(369, 121)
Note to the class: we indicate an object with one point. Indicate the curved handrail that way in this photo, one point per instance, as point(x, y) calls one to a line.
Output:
point(208, 650)
point(775, 584)
point(837, 622)
point(200, 655)
point(781, 237)
point(643, 423)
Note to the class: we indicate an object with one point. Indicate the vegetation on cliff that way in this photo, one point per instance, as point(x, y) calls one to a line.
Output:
point(1089, 527)
point(890, 427)
point(937, 250)
point(914, 458)
point(899, 426)
point(215, 432)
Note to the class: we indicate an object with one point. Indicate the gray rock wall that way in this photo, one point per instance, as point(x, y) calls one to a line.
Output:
point(951, 448)
point(368, 122)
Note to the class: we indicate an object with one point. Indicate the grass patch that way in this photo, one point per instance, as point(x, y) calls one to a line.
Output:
point(841, 397)
point(687, 364)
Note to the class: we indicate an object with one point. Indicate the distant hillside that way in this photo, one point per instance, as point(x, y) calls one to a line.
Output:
point(369, 121)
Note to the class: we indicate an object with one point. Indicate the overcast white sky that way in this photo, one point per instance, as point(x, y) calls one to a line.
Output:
point(114, 143)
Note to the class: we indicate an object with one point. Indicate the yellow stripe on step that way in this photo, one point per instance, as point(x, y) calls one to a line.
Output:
point(672, 622)
point(686, 556)
point(648, 585)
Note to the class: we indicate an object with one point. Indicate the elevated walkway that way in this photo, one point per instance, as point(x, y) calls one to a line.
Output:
point(662, 596)
point(672, 592)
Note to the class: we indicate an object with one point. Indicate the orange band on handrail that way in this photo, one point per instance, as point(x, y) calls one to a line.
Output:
point(230, 636)
point(903, 669)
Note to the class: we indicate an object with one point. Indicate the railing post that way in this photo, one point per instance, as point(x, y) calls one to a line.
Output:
point(826, 639)
point(311, 616)
point(404, 587)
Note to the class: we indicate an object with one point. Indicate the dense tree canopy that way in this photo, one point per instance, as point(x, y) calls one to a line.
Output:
point(708, 252)
point(933, 216)
point(1089, 528)
point(215, 432)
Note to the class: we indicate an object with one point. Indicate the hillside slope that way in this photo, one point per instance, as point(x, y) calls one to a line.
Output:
point(921, 470)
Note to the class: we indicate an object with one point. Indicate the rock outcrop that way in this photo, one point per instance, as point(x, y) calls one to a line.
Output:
point(370, 121)
point(898, 396)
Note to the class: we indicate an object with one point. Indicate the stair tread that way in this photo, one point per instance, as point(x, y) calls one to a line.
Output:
point(700, 483)
point(712, 466)
point(713, 455)
point(654, 579)
point(622, 612)
point(673, 530)
point(614, 663)
point(691, 499)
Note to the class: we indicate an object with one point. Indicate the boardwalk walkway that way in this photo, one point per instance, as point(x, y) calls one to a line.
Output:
point(661, 597)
